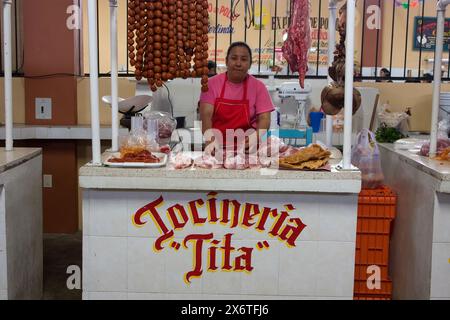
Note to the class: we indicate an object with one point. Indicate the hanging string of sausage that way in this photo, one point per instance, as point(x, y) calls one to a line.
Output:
point(168, 39)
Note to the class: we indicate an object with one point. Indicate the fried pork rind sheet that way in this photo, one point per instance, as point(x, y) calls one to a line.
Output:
point(311, 158)
point(444, 155)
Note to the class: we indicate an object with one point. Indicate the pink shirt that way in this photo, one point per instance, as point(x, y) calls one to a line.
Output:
point(257, 94)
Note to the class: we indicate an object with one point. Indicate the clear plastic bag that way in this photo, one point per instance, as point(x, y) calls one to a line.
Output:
point(443, 129)
point(138, 139)
point(441, 145)
point(166, 125)
point(366, 156)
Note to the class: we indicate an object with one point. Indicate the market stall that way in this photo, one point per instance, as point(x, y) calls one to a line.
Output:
point(205, 234)
point(182, 226)
point(420, 243)
point(20, 200)
point(21, 255)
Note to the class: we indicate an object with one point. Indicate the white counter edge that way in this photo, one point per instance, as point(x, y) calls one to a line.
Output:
point(442, 177)
point(444, 187)
point(16, 157)
point(263, 185)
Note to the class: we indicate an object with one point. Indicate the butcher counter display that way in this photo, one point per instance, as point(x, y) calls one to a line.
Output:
point(195, 233)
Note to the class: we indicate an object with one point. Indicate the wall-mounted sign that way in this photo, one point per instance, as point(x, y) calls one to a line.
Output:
point(211, 252)
point(425, 33)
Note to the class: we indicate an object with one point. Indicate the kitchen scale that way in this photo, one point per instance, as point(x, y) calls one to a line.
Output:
point(130, 107)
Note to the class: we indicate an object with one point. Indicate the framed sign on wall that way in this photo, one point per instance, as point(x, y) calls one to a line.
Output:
point(425, 33)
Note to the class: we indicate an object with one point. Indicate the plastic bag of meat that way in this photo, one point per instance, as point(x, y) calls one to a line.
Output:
point(166, 125)
point(296, 47)
point(366, 156)
point(441, 145)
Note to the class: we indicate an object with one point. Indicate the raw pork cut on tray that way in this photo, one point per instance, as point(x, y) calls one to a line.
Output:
point(296, 47)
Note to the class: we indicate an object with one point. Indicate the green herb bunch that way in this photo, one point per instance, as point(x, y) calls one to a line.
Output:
point(385, 134)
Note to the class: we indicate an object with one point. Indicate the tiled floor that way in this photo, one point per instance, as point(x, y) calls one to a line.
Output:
point(60, 252)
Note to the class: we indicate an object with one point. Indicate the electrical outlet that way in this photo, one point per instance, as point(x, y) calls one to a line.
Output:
point(43, 108)
point(47, 181)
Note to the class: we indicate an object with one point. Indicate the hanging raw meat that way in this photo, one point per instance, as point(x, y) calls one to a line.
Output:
point(296, 47)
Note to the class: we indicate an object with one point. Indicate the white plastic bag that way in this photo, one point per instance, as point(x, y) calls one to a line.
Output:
point(390, 118)
point(366, 156)
point(443, 129)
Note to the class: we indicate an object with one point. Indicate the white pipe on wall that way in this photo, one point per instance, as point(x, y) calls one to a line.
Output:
point(93, 70)
point(114, 77)
point(7, 58)
point(332, 7)
point(441, 6)
point(348, 102)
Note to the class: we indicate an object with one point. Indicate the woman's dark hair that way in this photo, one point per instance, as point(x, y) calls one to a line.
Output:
point(239, 44)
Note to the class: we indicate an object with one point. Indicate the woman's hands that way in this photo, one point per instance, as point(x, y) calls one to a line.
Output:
point(262, 125)
point(206, 114)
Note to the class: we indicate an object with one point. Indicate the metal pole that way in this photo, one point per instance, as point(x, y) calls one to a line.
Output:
point(93, 65)
point(349, 57)
point(441, 6)
point(332, 7)
point(318, 38)
point(114, 77)
point(7, 57)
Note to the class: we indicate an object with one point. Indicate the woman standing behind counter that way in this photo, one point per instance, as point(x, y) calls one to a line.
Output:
point(235, 99)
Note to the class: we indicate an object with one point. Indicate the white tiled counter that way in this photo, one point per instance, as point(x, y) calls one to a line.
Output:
point(289, 235)
point(21, 224)
point(420, 243)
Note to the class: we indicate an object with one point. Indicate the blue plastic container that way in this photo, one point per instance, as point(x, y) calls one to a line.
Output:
point(316, 118)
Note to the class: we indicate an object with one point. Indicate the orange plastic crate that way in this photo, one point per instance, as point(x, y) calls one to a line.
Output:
point(361, 272)
point(372, 297)
point(372, 249)
point(381, 196)
point(361, 288)
point(376, 211)
point(373, 226)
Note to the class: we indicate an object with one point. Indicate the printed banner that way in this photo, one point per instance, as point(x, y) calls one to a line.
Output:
point(425, 33)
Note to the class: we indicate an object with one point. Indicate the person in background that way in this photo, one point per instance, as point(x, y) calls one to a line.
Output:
point(211, 68)
point(385, 75)
point(428, 78)
point(236, 99)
